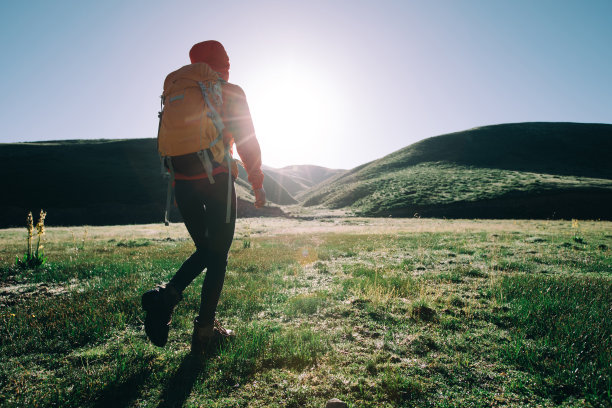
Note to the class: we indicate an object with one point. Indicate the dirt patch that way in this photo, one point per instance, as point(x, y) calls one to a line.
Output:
point(12, 293)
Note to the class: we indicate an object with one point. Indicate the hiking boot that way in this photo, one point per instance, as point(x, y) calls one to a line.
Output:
point(208, 337)
point(159, 304)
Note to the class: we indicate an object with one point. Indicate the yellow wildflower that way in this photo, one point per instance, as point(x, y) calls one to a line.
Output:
point(40, 226)
point(30, 224)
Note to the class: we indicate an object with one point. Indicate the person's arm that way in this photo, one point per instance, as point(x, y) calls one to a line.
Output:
point(237, 118)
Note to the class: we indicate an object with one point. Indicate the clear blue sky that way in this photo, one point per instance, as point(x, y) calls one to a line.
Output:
point(334, 83)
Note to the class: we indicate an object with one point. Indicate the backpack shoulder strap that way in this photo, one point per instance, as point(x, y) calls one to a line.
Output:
point(168, 162)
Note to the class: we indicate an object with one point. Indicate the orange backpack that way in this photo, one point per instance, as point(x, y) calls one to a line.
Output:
point(189, 123)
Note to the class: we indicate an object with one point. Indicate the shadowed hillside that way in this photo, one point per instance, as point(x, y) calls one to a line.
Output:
point(98, 182)
point(298, 178)
point(275, 192)
point(522, 170)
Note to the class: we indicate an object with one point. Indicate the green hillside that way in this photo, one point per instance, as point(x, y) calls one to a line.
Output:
point(522, 170)
point(97, 182)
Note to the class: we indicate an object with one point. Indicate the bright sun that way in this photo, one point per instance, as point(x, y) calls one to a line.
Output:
point(295, 111)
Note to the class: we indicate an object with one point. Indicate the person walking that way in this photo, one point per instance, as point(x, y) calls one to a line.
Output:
point(203, 206)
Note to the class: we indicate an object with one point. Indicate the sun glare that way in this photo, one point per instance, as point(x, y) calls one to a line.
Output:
point(295, 109)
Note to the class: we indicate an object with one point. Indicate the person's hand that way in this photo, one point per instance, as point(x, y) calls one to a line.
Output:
point(260, 198)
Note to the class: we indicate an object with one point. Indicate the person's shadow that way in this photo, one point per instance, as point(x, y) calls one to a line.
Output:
point(180, 385)
point(120, 394)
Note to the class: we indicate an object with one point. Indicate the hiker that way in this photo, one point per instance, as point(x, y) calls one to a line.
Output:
point(205, 199)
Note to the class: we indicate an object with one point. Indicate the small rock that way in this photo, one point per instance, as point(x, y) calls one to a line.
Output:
point(336, 403)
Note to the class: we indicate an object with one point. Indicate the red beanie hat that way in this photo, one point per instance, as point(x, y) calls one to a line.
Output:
point(213, 54)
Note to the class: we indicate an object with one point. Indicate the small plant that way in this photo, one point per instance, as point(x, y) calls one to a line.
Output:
point(132, 243)
point(33, 259)
point(81, 246)
point(577, 237)
point(83, 240)
point(579, 240)
point(246, 241)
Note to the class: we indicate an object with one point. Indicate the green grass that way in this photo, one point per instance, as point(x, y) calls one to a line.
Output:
point(431, 313)
point(562, 332)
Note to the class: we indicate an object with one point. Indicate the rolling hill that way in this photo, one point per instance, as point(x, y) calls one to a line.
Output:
point(298, 178)
point(98, 182)
point(520, 170)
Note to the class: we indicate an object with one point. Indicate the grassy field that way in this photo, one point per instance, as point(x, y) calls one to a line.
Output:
point(438, 186)
point(376, 312)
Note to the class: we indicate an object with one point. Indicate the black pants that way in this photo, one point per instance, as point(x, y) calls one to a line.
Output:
point(204, 207)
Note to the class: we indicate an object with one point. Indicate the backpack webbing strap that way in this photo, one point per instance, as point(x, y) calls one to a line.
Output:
point(229, 187)
point(216, 119)
point(207, 164)
point(168, 161)
point(160, 115)
point(212, 114)
point(164, 167)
